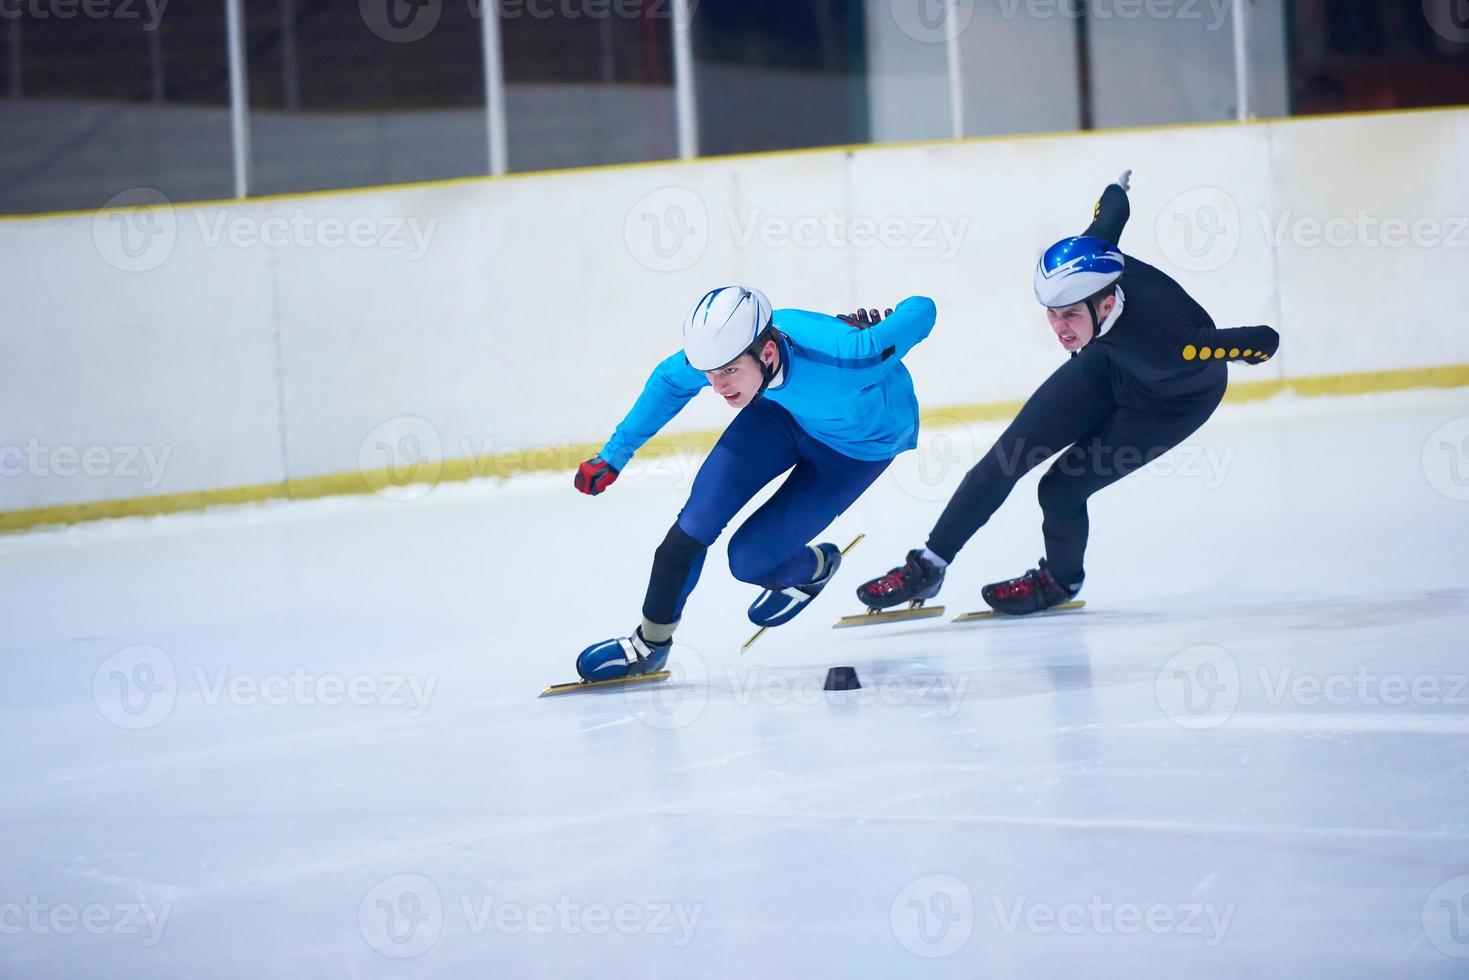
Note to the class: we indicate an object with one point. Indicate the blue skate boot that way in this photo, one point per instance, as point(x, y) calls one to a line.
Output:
point(622, 657)
point(776, 607)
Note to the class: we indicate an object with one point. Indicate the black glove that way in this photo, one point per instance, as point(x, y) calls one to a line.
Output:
point(863, 319)
point(1256, 345)
point(1252, 345)
point(595, 475)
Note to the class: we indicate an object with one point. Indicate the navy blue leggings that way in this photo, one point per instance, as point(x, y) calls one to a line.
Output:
point(1075, 412)
point(769, 549)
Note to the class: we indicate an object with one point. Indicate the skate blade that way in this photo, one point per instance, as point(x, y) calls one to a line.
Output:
point(994, 614)
point(576, 686)
point(895, 616)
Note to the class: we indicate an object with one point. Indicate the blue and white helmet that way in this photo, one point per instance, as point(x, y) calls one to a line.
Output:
point(1074, 269)
point(723, 325)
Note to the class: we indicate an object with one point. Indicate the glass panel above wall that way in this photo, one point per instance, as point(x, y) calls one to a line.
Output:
point(1362, 55)
point(1161, 63)
point(588, 82)
point(1019, 68)
point(907, 70)
point(353, 94)
point(102, 98)
point(776, 75)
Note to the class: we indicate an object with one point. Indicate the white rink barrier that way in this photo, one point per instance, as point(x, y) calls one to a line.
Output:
point(173, 356)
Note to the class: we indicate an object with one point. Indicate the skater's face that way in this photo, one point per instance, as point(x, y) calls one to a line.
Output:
point(739, 381)
point(1073, 324)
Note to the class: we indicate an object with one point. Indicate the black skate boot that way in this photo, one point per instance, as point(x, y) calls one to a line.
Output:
point(1032, 592)
point(916, 580)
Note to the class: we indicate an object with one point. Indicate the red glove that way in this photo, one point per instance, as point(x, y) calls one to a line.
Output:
point(862, 319)
point(595, 475)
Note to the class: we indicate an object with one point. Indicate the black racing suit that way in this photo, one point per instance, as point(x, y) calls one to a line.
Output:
point(1142, 387)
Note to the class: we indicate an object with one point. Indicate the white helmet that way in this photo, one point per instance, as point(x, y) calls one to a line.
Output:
point(723, 325)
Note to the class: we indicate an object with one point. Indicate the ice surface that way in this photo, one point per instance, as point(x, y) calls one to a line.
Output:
point(1249, 756)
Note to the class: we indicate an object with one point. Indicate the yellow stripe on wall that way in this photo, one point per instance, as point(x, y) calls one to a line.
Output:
point(559, 458)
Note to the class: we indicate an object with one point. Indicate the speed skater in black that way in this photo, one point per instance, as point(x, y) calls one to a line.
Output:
point(1146, 370)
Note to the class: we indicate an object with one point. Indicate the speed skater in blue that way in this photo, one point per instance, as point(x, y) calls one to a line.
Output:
point(824, 398)
point(1147, 369)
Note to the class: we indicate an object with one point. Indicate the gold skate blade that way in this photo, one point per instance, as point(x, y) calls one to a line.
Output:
point(993, 614)
point(577, 686)
point(892, 616)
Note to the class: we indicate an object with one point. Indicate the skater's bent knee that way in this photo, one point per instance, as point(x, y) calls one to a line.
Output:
point(1006, 462)
point(1058, 494)
point(749, 559)
point(679, 546)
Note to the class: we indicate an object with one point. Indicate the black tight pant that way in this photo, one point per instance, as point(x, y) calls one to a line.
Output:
point(1075, 407)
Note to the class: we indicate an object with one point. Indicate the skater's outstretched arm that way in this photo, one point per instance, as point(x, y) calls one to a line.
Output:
point(1164, 347)
point(1252, 345)
point(878, 347)
point(670, 387)
point(1112, 212)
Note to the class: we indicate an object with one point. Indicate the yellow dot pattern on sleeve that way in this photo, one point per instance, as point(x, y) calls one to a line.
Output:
point(1189, 353)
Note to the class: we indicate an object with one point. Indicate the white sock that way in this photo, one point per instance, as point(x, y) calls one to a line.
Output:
point(657, 633)
point(937, 561)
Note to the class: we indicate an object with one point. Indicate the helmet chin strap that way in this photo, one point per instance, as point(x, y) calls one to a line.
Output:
point(1093, 307)
point(767, 373)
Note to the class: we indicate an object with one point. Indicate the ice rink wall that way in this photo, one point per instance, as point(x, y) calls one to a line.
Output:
point(169, 358)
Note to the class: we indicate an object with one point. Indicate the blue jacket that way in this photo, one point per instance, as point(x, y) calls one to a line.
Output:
point(846, 387)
